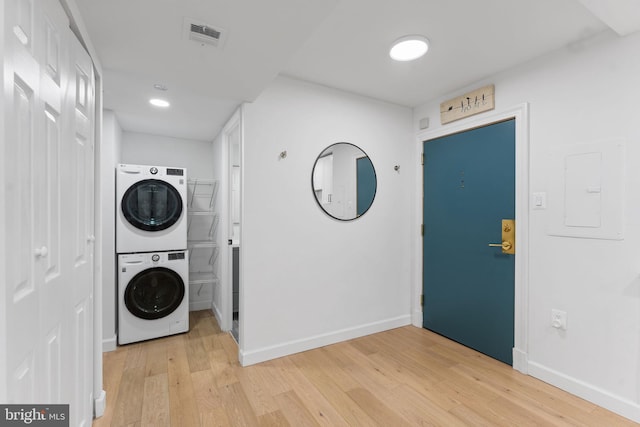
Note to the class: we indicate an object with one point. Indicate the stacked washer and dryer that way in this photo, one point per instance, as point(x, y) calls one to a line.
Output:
point(153, 261)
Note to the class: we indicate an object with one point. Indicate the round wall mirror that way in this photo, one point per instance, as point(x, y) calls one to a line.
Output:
point(344, 181)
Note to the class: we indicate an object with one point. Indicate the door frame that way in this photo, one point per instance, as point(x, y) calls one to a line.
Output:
point(225, 312)
point(521, 280)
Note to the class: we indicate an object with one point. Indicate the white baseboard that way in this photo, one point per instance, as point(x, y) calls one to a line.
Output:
point(218, 315)
point(417, 318)
point(199, 305)
point(279, 350)
point(99, 404)
point(520, 361)
point(109, 344)
point(600, 397)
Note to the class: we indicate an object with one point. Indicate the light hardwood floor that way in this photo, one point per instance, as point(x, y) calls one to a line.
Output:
point(404, 377)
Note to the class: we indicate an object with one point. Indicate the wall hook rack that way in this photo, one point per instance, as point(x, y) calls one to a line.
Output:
point(283, 154)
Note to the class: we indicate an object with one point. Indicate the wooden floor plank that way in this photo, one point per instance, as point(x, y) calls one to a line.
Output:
point(182, 399)
point(538, 397)
point(269, 375)
point(256, 384)
point(136, 355)
point(112, 377)
point(405, 376)
point(376, 409)
point(315, 402)
point(206, 391)
point(470, 417)
point(351, 413)
point(273, 419)
point(128, 407)
point(366, 371)
point(224, 372)
point(215, 418)
point(157, 360)
point(520, 416)
point(413, 364)
point(421, 382)
point(231, 348)
point(418, 410)
point(602, 417)
point(197, 356)
point(237, 405)
point(381, 382)
point(331, 363)
point(295, 412)
point(155, 407)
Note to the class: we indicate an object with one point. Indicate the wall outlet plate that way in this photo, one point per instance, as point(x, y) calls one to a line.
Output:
point(559, 319)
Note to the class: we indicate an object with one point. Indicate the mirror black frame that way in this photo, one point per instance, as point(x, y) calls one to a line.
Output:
point(325, 152)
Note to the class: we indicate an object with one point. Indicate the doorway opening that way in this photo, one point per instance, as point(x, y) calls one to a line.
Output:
point(231, 185)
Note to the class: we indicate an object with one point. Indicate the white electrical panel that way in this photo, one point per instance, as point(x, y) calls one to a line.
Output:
point(586, 191)
point(583, 190)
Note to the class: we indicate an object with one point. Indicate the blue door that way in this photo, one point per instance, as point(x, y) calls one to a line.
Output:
point(469, 188)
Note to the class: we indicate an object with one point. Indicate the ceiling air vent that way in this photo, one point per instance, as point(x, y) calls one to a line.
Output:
point(204, 33)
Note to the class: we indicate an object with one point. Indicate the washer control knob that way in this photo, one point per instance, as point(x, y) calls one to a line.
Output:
point(155, 257)
point(153, 170)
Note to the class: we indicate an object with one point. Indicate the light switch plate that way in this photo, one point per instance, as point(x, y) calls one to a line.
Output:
point(539, 201)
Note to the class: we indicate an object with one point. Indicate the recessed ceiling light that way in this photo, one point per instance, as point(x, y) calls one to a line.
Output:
point(159, 102)
point(408, 48)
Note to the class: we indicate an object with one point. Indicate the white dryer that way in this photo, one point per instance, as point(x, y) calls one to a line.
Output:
point(153, 295)
point(151, 208)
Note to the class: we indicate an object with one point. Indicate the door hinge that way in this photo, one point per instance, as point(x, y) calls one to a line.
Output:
point(422, 230)
point(422, 300)
point(422, 159)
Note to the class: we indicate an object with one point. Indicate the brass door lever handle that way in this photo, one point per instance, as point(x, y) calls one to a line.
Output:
point(508, 237)
point(506, 245)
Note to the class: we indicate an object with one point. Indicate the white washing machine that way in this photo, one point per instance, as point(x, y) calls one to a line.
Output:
point(153, 295)
point(151, 208)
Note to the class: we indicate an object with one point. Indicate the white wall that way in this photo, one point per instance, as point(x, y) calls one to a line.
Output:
point(307, 279)
point(583, 94)
point(109, 158)
point(145, 149)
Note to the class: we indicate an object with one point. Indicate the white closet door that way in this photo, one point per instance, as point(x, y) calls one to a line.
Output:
point(81, 135)
point(24, 338)
point(48, 211)
point(50, 197)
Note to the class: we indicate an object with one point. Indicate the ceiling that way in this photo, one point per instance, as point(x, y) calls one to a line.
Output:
point(338, 43)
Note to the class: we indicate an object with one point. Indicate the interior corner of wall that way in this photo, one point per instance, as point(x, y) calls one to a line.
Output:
point(416, 318)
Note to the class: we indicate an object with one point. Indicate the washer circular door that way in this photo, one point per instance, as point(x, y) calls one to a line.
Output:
point(152, 205)
point(154, 293)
